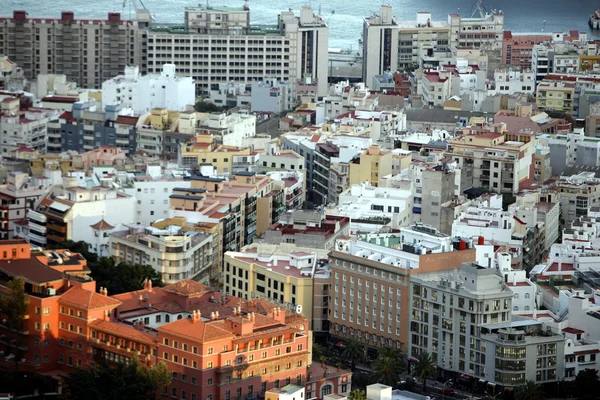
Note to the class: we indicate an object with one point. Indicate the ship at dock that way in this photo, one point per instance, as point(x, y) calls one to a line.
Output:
point(595, 20)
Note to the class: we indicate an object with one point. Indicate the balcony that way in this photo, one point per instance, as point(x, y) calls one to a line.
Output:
point(57, 228)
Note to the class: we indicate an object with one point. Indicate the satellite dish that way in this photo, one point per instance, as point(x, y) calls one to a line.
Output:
point(299, 309)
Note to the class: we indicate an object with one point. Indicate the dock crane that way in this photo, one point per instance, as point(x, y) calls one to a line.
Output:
point(136, 5)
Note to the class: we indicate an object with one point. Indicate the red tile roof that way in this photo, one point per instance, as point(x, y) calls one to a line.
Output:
point(86, 299)
point(573, 331)
point(564, 267)
point(187, 288)
point(122, 330)
point(201, 331)
point(583, 352)
point(102, 225)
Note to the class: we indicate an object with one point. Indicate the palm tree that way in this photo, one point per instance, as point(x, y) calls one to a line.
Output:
point(357, 394)
point(389, 351)
point(425, 368)
point(529, 391)
point(355, 352)
point(317, 351)
point(387, 370)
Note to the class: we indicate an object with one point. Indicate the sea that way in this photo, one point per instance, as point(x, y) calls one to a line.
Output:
point(344, 18)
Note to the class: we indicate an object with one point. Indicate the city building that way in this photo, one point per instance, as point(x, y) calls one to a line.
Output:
point(370, 208)
point(380, 43)
point(517, 47)
point(285, 279)
point(19, 195)
point(142, 93)
point(370, 166)
point(555, 96)
point(305, 228)
point(11, 75)
point(175, 254)
point(271, 96)
point(229, 129)
point(576, 190)
point(483, 29)
point(502, 161)
point(370, 283)
point(84, 129)
point(70, 213)
point(207, 45)
point(87, 51)
point(463, 319)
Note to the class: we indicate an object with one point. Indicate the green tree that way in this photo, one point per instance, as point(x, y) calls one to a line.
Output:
point(529, 391)
point(357, 394)
point(204, 106)
point(587, 384)
point(14, 304)
point(317, 352)
point(132, 381)
point(387, 370)
point(354, 352)
point(424, 368)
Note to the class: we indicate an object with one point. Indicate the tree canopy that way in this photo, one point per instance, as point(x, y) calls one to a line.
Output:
point(132, 381)
point(425, 368)
point(529, 391)
point(587, 383)
point(388, 366)
point(14, 303)
point(116, 278)
point(354, 352)
point(205, 106)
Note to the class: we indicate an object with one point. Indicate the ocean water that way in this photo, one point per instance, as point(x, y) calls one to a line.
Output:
point(344, 19)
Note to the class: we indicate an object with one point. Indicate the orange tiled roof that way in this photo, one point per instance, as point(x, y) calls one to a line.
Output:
point(121, 330)
point(187, 287)
point(201, 331)
point(82, 298)
point(102, 225)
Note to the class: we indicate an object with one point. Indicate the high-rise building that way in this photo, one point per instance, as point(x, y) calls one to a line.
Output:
point(87, 51)
point(380, 44)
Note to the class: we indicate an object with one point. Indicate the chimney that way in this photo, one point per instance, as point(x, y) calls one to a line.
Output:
point(212, 316)
point(196, 316)
point(106, 315)
point(105, 292)
point(141, 299)
point(216, 315)
point(149, 285)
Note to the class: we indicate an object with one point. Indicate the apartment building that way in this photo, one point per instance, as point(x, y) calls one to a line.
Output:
point(463, 319)
point(307, 228)
point(502, 161)
point(69, 213)
point(517, 47)
point(19, 195)
point(23, 128)
point(283, 279)
point(577, 190)
point(280, 160)
point(371, 208)
point(233, 205)
point(380, 43)
point(84, 129)
point(509, 81)
point(87, 51)
point(479, 31)
point(175, 254)
point(421, 38)
point(197, 332)
point(370, 283)
point(214, 54)
point(293, 191)
point(142, 93)
point(555, 96)
point(202, 149)
point(11, 75)
point(370, 166)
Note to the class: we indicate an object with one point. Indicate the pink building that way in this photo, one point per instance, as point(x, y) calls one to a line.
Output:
point(102, 156)
point(517, 47)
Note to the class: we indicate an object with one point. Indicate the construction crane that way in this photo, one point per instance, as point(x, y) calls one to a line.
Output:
point(136, 5)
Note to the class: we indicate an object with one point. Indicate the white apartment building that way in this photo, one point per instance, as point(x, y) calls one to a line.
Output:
point(228, 129)
point(293, 50)
point(144, 93)
point(512, 81)
point(175, 254)
point(271, 95)
point(483, 31)
point(152, 196)
point(382, 124)
point(370, 208)
point(28, 128)
point(463, 319)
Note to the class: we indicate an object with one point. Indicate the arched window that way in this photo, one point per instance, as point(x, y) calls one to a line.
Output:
point(167, 318)
point(326, 389)
point(526, 295)
point(516, 296)
point(179, 317)
point(526, 308)
point(516, 308)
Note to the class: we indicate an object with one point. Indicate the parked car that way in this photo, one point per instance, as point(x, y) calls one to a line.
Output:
point(447, 392)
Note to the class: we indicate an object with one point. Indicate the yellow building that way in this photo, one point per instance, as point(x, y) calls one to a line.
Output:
point(284, 278)
point(372, 165)
point(555, 95)
point(203, 149)
point(589, 63)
